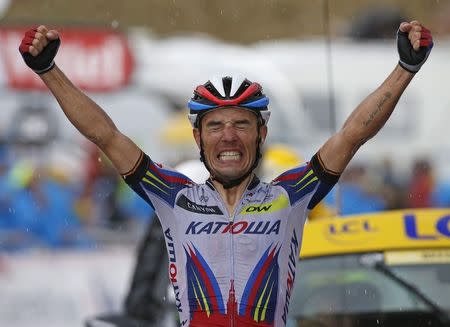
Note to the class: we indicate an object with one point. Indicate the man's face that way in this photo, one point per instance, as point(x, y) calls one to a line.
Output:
point(229, 137)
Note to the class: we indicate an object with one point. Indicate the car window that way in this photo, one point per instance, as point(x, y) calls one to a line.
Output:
point(340, 286)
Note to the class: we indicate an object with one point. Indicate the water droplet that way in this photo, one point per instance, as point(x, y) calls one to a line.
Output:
point(114, 24)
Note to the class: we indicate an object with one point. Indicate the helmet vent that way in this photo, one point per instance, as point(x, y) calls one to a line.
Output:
point(245, 84)
point(210, 87)
point(227, 81)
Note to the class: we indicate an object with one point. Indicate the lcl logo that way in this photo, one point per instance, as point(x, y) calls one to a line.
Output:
point(351, 227)
point(414, 230)
point(351, 231)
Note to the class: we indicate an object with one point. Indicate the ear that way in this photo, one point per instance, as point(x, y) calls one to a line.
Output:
point(196, 134)
point(263, 133)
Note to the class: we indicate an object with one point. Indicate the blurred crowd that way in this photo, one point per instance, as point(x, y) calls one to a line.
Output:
point(368, 187)
point(40, 207)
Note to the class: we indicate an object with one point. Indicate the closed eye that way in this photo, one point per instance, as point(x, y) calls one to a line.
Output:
point(214, 126)
point(242, 124)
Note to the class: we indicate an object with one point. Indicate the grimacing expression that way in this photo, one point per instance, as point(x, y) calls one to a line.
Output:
point(229, 138)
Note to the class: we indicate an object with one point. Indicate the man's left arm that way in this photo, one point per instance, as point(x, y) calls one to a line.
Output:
point(414, 44)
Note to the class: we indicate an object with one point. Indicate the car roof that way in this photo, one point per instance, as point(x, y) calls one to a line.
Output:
point(381, 231)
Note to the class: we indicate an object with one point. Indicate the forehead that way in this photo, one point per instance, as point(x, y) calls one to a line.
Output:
point(221, 114)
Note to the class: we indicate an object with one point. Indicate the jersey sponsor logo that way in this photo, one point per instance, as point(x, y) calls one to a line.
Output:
point(294, 252)
point(240, 227)
point(278, 204)
point(185, 203)
point(173, 271)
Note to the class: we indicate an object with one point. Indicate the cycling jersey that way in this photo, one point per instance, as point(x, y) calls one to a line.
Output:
point(232, 269)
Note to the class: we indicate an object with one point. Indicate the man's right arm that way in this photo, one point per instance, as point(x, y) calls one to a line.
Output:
point(83, 112)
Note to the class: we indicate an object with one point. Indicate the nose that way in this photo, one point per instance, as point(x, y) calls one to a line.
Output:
point(229, 131)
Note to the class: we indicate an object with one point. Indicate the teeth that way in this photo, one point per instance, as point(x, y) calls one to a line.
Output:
point(229, 155)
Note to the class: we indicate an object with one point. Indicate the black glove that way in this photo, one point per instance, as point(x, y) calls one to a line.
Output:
point(43, 62)
point(410, 59)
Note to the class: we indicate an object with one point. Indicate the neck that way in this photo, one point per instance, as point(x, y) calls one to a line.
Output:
point(232, 196)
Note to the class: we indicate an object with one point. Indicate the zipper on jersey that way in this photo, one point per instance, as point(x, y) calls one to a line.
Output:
point(231, 218)
point(232, 291)
point(232, 295)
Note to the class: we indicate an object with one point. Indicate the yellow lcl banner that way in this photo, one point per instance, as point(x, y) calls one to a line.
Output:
point(393, 230)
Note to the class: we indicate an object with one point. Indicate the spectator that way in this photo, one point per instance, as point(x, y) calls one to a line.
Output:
point(421, 185)
point(392, 188)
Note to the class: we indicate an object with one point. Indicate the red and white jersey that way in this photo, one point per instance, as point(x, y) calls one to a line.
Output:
point(232, 270)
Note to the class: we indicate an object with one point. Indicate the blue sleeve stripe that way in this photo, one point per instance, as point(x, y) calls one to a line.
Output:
point(154, 185)
point(164, 183)
point(298, 182)
point(308, 183)
point(322, 190)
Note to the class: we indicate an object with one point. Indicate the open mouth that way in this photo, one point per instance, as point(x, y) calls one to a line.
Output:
point(229, 156)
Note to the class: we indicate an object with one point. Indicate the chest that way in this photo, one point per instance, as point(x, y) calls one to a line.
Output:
point(259, 220)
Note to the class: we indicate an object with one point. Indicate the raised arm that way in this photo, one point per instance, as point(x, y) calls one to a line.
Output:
point(38, 48)
point(414, 44)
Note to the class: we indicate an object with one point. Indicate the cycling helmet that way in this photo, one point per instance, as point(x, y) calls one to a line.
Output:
point(228, 92)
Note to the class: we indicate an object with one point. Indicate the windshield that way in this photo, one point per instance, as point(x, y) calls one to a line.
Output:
point(343, 291)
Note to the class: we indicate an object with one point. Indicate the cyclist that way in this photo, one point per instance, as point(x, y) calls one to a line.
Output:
point(233, 241)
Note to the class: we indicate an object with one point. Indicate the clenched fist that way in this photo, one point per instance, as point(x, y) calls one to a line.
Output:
point(39, 47)
point(414, 44)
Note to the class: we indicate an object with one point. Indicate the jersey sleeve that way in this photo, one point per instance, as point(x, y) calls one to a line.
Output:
point(149, 179)
point(312, 177)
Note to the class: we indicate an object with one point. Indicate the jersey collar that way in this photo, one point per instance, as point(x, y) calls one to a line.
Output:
point(254, 182)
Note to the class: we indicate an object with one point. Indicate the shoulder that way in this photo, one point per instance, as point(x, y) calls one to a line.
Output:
point(147, 169)
point(305, 179)
point(150, 179)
